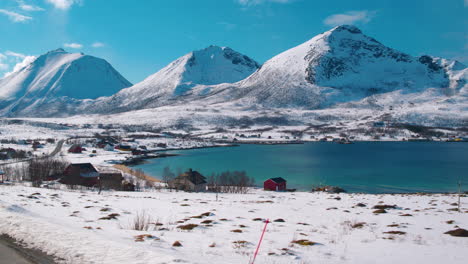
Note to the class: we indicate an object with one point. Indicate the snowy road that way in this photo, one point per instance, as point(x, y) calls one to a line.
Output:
point(12, 253)
point(10, 256)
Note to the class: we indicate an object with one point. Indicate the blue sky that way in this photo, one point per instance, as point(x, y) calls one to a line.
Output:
point(141, 37)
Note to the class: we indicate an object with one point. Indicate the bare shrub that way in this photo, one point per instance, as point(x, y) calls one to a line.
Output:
point(141, 222)
point(230, 182)
point(41, 169)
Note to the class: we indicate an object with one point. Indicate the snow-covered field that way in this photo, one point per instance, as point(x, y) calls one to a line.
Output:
point(67, 225)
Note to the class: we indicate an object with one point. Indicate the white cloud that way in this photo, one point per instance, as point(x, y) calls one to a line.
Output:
point(20, 65)
point(98, 45)
point(257, 2)
point(15, 17)
point(351, 17)
point(27, 7)
point(15, 54)
point(4, 66)
point(63, 4)
point(14, 58)
point(73, 45)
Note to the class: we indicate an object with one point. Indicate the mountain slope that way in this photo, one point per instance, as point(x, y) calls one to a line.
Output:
point(193, 73)
point(337, 66)
point(56, 79)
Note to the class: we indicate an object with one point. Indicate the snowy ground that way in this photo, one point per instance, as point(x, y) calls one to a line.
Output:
point(67, 224)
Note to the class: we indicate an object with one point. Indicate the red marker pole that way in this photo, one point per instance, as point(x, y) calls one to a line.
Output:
point(260, 242)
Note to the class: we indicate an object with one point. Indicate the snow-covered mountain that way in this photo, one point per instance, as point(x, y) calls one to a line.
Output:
point(342, 65)
point(55, 82)
point(193, 74)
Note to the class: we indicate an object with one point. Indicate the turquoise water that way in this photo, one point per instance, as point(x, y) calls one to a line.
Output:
point(371, 167)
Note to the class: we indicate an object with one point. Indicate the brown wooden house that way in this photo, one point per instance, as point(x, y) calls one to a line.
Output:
point(84, 174)
point(189, 181)
point(110, 178)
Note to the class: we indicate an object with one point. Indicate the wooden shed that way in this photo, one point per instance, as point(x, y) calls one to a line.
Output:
point(75, 148)
point(275, 184)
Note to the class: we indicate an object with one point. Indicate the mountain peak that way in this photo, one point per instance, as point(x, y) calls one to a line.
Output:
point(349, 28)
point(59, 50)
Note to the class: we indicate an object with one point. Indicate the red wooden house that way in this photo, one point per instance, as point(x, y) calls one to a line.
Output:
point(75, 148)
point(275, 184)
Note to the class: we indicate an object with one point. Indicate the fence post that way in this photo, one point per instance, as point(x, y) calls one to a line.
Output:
point(260, 242)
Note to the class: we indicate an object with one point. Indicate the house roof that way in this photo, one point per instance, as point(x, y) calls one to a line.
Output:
point(84, 166)
point(75, 147)
point(277, 180)
point(194, 176)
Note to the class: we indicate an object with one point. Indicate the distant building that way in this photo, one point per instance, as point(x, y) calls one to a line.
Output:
point(189, 181)
point(110, 178)
point(275, 184)
point(108, 147)
point(124, 147)
point(75, 148)
point(2, 175)
point(379, 124)
point(84, 174)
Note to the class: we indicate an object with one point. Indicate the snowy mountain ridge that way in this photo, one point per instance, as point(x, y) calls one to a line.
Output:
point(339, 69)
point(197, 70)
point(343, 65)
point(56, 80)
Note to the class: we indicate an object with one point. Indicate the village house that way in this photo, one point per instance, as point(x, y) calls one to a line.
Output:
point(110, 178)
point(124, 147)
point(189, 181)
point(275, 184)
point(84, 174)
point(75, 148)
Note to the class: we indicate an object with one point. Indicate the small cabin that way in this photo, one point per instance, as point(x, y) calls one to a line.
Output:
point(275, 184)
point(75, 148)
point(189, 181)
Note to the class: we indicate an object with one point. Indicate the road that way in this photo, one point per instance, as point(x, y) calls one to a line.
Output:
point(57, 150)
point(11, 256)
point(12, 253)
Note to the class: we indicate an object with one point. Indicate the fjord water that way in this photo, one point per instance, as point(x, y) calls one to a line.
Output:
point(370, 167)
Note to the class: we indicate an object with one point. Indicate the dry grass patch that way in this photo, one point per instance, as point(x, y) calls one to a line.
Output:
point(240, 243)
point(236, 231)
point(384, 206)
point(358, 225)
point(303, 242)
point(176, 244)
point(187, 227)
point(380, 211)
point(110, 217)
point(395, 232)
point(460, 232)
point(207, 222)
point(141, 238)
